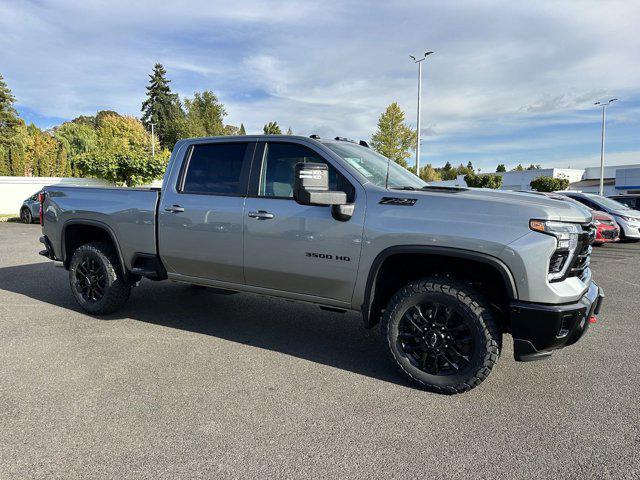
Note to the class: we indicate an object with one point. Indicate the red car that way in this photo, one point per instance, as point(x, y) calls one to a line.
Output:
point(607, 230)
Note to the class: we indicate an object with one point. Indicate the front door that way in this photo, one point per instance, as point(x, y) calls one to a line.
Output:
point(297, 248)
point(201, 213)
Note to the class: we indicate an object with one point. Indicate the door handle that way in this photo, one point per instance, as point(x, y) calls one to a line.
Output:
point(174, 209)
point(261, 215)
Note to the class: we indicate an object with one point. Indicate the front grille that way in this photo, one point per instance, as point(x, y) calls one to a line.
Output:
point(608, 234)
point(583, 251)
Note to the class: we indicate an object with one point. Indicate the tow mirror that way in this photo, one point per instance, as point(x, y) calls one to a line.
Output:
point(311, 187)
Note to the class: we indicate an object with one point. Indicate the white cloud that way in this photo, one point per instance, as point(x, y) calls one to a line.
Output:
point(331, 67)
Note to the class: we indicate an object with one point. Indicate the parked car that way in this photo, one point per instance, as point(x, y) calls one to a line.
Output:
point(30, 209)
point(627, 218)
point(333, 223)
point(607, 230)
point(631, 200)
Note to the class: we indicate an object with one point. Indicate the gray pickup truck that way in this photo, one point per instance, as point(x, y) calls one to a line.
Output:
point(445, 271)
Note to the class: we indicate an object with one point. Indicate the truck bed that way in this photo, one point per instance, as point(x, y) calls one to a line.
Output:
point(129, 214)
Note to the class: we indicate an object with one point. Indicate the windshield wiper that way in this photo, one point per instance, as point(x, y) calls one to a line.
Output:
point(402, 188)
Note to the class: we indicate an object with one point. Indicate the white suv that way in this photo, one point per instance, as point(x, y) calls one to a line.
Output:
point(627, 218)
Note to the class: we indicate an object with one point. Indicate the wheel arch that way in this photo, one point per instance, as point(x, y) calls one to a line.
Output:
point(416, 257)
point(87, 231)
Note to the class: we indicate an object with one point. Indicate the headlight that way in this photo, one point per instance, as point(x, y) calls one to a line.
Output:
point(566, 235)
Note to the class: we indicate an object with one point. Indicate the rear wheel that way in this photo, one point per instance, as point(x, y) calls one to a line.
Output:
point(442, 334)
point(25, 215)
point(97, 280)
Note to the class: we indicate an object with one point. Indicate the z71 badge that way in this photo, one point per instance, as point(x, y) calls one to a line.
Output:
point(328, 256)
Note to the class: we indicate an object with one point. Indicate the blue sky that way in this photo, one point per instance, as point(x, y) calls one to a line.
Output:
point(510, 82)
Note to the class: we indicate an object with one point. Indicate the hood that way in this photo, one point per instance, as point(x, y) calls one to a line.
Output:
point(600, 216)
point(522, 203)
point(627, 213)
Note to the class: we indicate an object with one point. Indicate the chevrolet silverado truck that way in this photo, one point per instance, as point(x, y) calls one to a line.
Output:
point(445, 271)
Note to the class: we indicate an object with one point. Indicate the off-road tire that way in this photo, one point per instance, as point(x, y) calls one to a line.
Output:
point(116, 288)
point(485, 332)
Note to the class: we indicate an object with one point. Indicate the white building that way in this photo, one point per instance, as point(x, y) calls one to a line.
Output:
point(617, 179)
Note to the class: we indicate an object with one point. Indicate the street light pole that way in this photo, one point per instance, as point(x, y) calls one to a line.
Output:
point(153, 142)
point(419, 62)
point(604, 108)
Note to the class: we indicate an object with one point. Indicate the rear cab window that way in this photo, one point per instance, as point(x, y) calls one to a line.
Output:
point(216, 169)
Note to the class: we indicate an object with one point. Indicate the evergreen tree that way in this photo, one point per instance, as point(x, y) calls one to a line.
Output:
point(242, 130)
point(272, 128)
point(470, 166)
point(394, 139)
point(289, 131)
point(501, 168)
point(163, 108)
point(11, 140)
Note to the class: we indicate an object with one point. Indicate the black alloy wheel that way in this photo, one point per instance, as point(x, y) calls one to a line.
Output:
point(97, 279)
point(90, 280)
point(26, 216)
point(442, 333)
point(436, 338)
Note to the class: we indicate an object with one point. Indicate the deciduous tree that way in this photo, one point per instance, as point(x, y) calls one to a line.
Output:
point(483, 181)
point(272, 128)
point(123, 153)
point(394, 139)
point(549, 184)
point(205, 115)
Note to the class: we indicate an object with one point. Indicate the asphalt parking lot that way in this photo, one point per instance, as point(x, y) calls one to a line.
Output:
point(192, 384)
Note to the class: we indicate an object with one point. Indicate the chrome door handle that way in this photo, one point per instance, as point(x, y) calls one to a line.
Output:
point(261, 215)
point(174, 209)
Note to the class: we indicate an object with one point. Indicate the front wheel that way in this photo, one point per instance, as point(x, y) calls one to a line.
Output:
point(97, 280)
point(442, 334)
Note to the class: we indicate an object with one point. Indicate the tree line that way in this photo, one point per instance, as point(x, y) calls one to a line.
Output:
point(118, 148)
point(108, 145)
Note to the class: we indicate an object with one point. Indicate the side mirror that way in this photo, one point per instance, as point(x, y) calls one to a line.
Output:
point(311, 187)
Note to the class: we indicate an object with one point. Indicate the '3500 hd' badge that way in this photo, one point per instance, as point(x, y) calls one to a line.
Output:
point(328, 256)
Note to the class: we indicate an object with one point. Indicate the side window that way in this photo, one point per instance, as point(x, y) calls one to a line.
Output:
point(277, 173)
point(215, 168)
point(583, 201)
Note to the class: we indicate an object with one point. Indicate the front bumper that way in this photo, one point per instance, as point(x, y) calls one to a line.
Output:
point(607, 234)
point(538, 329)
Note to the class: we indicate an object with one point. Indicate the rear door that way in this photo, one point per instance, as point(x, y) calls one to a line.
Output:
point(201, 212)
point(297, 248)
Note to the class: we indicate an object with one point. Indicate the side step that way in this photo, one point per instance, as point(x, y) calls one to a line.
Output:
point(149, 266)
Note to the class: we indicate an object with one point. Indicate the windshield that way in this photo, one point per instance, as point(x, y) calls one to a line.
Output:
point(607, 202)
point(373, 166)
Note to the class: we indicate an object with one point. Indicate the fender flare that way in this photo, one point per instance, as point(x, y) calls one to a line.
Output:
point(490, 260)
point(93, 223)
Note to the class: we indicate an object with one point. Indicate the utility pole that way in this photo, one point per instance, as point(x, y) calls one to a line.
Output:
point(153, 141)
point(604, 108)
point(419, 62)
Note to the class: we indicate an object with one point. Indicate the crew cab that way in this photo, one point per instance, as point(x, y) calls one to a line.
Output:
point(446, 272)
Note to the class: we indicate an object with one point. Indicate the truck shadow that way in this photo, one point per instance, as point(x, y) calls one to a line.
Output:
point(300, 330)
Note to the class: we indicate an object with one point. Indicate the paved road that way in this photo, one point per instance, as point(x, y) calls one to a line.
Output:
point(187, 383)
